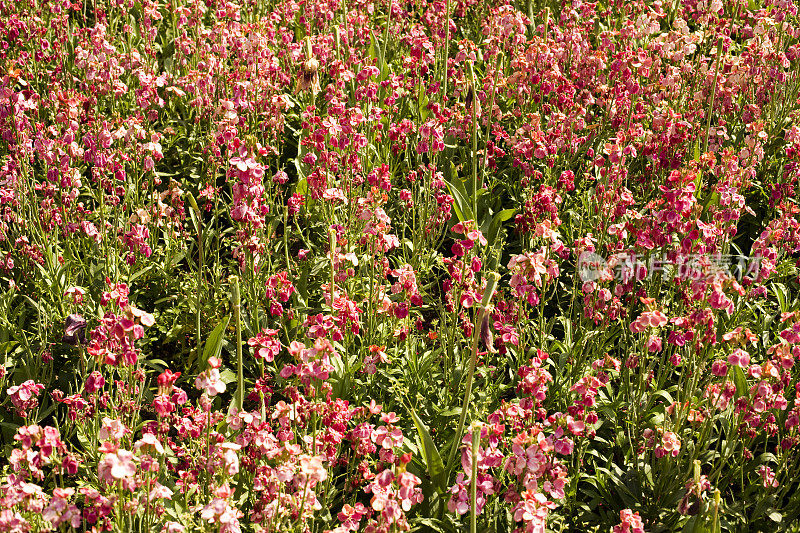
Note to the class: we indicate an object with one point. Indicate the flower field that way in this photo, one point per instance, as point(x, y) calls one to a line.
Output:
point(321, 266)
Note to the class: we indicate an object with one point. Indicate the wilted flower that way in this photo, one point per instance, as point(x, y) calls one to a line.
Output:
point(486, 334)
point(308, 79)
point(74, 328)
point(692, 501)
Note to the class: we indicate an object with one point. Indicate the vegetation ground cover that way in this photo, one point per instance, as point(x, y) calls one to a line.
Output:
point(393, 265)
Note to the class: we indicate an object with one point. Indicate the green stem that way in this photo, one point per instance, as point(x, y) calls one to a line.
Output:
point(446, 50)
point(332, 237)
point(497, 63)
point(713, 94)
point(475, 185)
point(473, 488)
point(237, 306)
point(491, 286)
point(386, 31)
point(201, 262)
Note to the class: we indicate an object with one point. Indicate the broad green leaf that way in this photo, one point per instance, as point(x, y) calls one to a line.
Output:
point(139, 273)
point(376, 51)
point(740, 381)
point(301, 187)
point(694, 525)
point(431, 524)
point(433, 460)
point(462, 204)
point(497, 222)
point(780, 292)
point(227, 376)
point(213, 346)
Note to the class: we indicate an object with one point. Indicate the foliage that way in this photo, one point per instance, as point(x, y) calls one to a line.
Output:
point(383, 266)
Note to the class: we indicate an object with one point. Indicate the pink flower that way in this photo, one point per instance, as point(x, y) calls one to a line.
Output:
point(94, 382)
point(670, 444)
point(230, 457)
point(112, 430)
point(219, 511)
point(60, 511)
point(160, 492)
point(408, 493)
point(654, 344)
point(116, 466)
point(719, 368)
point(767, 477)
point(563, 446)
point(151, 441)
point(24, 396)
point(350, 516)
point(459, 501)
point(739, 358)
point(266, 344)
point(210, 381)
point(145, 318)
point(75, 294)
point(576, 427)
point(652, 319)
point(630, 522)
point(312, 468)
point(387, 438)
point(532, 510)
point(167, 379)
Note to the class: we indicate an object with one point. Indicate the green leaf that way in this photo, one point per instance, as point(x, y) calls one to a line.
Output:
point(213, 346)
point(376, 51)
point(339, 377)
point(422, 106)
point(431, 524)
point(740, 381)
point(433, 460)
point(462, 204)
point(694, 525)
point(301, 187)
point(497, 222)
point(227, 376)
point(139, 273)
point(780, 292)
